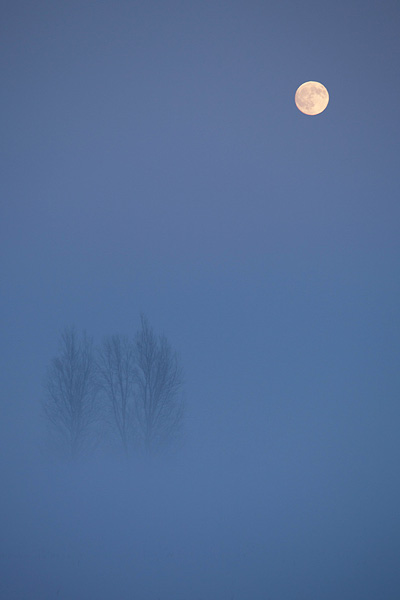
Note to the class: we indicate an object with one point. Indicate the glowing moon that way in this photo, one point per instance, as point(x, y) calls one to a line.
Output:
point(311, 98)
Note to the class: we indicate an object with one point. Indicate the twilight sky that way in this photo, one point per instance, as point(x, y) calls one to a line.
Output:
point(153, 160)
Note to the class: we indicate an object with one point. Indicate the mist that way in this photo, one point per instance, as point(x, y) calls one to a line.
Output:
point(271, 497)
point(154, 162)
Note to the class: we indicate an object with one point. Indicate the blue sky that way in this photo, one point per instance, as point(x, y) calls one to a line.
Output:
point(154, 160)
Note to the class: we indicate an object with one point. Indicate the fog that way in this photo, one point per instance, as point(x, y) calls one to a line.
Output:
point(154, 161)
point(266, 505)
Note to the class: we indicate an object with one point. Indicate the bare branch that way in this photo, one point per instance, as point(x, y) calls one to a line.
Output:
point(158, 380)
point(70, 395)
point(115, 366)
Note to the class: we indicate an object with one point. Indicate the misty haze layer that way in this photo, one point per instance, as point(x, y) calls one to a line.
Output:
point(154, 161)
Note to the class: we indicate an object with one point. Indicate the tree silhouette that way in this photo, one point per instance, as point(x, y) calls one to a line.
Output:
point(138, 382)
point(70, 396)
point(158, 380)
point(115, 372)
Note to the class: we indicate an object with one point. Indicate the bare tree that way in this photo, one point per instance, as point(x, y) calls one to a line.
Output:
point(70, 395)
point(115, 368)
point(158, 380)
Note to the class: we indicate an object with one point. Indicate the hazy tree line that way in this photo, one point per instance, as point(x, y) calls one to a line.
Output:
point(125, 392)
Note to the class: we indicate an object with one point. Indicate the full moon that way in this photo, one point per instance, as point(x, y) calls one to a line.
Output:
point(311, 98)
